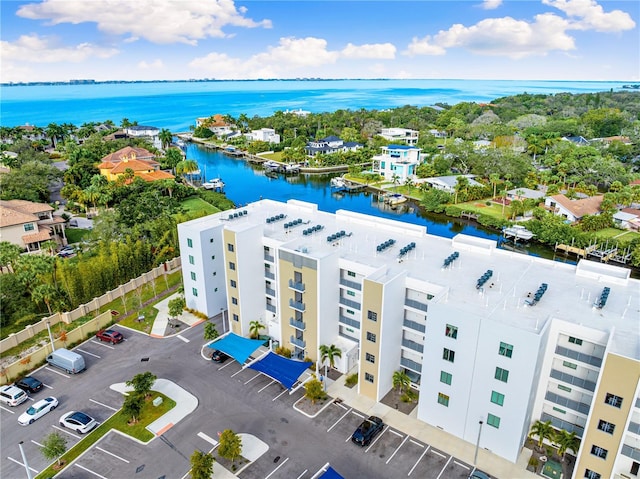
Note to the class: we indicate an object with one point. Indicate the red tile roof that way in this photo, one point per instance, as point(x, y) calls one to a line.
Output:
point(580, 208)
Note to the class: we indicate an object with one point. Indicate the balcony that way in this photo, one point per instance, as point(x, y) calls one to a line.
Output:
point(584, 358)
point(408, 363)
point(296, 286)
point(269, 274)
point(270, 292)
point(407, 343)
point(297, 305)
point(570, 403)
point(560, 424)
point(631, 452)
point(412, 303)
point(569, 379)
point(634, 427)
point(414, 325)
point(298, 342)
point(269, 258)
point(349, 303)
point(349, 322)
point(271, 307)
point(297, 324)
point(350, 284)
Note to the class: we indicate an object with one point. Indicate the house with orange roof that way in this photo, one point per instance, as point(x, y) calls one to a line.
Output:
point(139, 160)
point(216, 123)
point(573, 210)
point(28, 224)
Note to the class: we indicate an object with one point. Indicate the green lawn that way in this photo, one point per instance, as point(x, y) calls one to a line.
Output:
point(480, 207)
point(120, 422)
point(198, 205)
point(275, 156)
point(75, 235)
point(617, 235)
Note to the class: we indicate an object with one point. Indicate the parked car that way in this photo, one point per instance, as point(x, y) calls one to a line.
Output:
point(478, 475)
point(38, 410)
point(68, 361)
point(219, 357)
point(12, 395)
point(78, 421)
point(29, 384)
point(110, 335)
point(366, 431)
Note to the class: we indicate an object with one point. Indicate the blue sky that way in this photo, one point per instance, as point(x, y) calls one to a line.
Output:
point(58, 40)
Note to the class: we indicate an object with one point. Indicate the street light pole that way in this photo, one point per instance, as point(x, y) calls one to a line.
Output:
point(475, 456)
point(53, 347)
point(24, 459)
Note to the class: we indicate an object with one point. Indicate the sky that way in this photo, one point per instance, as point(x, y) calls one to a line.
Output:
point(59, 40)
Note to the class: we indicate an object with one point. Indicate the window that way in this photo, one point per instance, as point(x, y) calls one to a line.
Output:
point(576, 341)
point(368, 377)
point(613, 400)
point(505, 350)
point(493, 421)
point(371, 358)
point(372, 316)
point(230, 247)
point(189, 242)
point(561, 411)
point(213, 257)
point(236, 318)
point(29, 227)
point(561, 387)
point(194, 291)
point(210, 240)
point(445, 377)
point(214, 273)
point(497, 398)
point(193, 276)
point(351, 273)
point(234, 300)
point(589, 474)
point(451, 331)
point(233, 283)
point(351, 293)
point(569, 365)
point(371, 337)
point(448, 355)
point(232, 266)
point(192, 260)
point(606, 426)
point(350, 311)
point(599, 452)
point(502, 375)
point(443, 399)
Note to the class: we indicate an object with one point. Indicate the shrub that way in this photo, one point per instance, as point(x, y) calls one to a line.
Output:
point(282, 351)
point(453, 211)
point(314, 390)
point(351, 380)
point(533, 463)
point(408, 396)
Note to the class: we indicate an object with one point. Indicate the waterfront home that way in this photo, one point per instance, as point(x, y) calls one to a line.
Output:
point(573, 210)
point(28, 224)
point(577, 140)
point(267, 135)
point(628, 219)
point(299, 112)
point(400, 135)
point(448, 183)
point(216, 123)
point(330, 144)
point(139, 160)
point(397, 162)
point(438, 133)
point(149, 133)
point(521, 194)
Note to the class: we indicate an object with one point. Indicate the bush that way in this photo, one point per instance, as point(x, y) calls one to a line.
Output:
point(351, 380)
point(453, 211)
point(533, 463)
point(409, 396)
point(282, 351)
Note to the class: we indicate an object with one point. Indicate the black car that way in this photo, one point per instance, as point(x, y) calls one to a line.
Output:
point(366, 431)
point(219, 357)
point(29, 384)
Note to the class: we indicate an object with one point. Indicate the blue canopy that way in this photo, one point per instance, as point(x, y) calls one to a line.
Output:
point(331, 474)
point(285, 371)
point(237, 347)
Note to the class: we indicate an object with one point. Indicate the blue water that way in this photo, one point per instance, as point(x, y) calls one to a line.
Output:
point(176, 105)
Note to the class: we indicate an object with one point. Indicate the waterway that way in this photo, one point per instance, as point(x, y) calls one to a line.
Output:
point(246, 182)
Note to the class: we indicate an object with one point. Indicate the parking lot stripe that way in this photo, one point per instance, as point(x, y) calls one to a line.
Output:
point(272, 472)
point(461, 465)
point(419, 459)
point(301, 475)
point(64, 430)
point(396, 433)
point(445, 466)
point(266, 386)
point(8, 410)
point(101, 343)
point(207, 438)
point(282, 393)
point(87, 352)
point(112, 454)
point(104, 405)
point(237, 372)
point(361, 416)
point(22, 464)
point(47, 386)
point(436, 452)
point(228, 364)
point(57, 372)
point(416, 443)
point(259, 374)
point(341, 418)
point(89, 470)
point(377, 439)
point(397, 448)
point(37, 443)
point(182, 338)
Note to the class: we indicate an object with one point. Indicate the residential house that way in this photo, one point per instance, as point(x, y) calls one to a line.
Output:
point(267, 135)
point(397, 162)
point(438, 133)
point(577, 140)
point(299, 112)
point(330, 144)
point(216, 123)
point(573, 210)
point(627, 218)
point(400, 135)
point(525, 194)
point(448, 183)
point(149, 133)
point(139, 160)
point(610, 139)
point(28, 224)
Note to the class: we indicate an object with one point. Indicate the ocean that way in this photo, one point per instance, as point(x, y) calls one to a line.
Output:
point(176, 105)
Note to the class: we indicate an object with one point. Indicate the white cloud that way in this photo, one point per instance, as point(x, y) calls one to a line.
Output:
point(154, 65)
point(591, 16)
point(424, 46)
point(383, 51)
point(36, 49)
point(491, 4)
point(159, 21)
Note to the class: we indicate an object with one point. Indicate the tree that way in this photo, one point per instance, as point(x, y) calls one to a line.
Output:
point(210, 332)
point(401, 381)
point(54, 446)
point(329, 353)
point(201, 465)
point(9, 253)
point(461, 186)
point(142, 383)
point(172, 157)
point(186, 166)
point(566, 442)
point(314, 390)
point(494, 179)
point(543, 430)
point(176, 306)
point(165, 138)
point(230, 445)
point(254, 329)
point(132, 406)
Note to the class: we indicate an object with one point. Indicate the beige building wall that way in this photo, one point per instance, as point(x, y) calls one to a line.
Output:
point(13, 234)
point(371, 301)
point(229, 237)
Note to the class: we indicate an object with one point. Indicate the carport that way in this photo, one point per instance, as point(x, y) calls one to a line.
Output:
point(237, 347)
point(285, 371)
point(327, 472)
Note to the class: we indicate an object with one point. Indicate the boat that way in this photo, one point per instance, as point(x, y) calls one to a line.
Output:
point(338, 184)
point(216, 184)
point(271, 165)
point(292, 168)
point(394, 199)
point(518, 232)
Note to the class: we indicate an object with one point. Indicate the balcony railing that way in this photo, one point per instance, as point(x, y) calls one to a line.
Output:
point(269, 258)
point(350, 338)
point(408, 363)
point(413, 345)
point(634, 427)
point(560, 424)
point(412, 303)
point(298, 342)
point(632, 452)
point(349, 321)
point(269, 275)
point(297, 305)
point(570, 403)
point(296, 286)
point(270, 292)
point(297, 324)
point(414, 325)
point(568, 378)
point(350, 284)
point(350, 303)
point(584, 358)
point(271, 307)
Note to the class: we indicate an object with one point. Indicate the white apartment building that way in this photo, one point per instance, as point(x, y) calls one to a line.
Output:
point(400, 135)
point(268, 135)
point(397, 162)
point(485, 334)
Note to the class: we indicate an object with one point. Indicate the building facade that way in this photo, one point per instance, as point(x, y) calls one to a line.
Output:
point(400, 135)
point(397, 162)
point(493, 340)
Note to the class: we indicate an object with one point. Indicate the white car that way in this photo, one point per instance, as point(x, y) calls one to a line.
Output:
point(38, 410)
point(78, 421)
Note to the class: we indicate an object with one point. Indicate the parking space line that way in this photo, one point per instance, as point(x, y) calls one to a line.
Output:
point(419, 459)
point(416, 443)
point(301, 475)
point(47, 386)
point(259, 374)
point(343, 416)
point(339, 404)
point(112, 454)
point(179, 336)
point(377, 439)
point(101, 343)
point(30, 398)
point(266, 386)
point(37, 443)
point(272, 472)
point(436, 452)
point(57, 372)
point(461, 465)
point(234, 374)
point(228, 364)
point(87, 352)
point(22, 464)
point(445, 466)
point(361, 416)
point(207, 438)
point(8, 410)
point(283, 392)
point(104, 405)
point(395, 432)
point(64, 430)
point(89, 470)
point(397, 448)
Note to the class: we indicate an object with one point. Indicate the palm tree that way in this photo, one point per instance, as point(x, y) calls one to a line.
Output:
point(543, 430)
point(494, 178)
point(165, 138)
point(566, 441)
point(401, 381)
point(329, 353)
point(462, 183)
point(254, 329)
point(186, 166)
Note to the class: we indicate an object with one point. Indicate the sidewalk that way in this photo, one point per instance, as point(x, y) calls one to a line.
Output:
point(161, 322)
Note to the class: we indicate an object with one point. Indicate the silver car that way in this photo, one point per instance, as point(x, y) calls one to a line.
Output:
point(38, 410)
point(78, 421)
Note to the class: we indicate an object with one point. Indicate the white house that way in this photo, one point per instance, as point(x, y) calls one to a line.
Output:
point(268, 135)
point(330, 144)
point(573, 210)
point(448, 183)
point(397, 162)
point(400, 135)
point(438, 133)
point(150, 133)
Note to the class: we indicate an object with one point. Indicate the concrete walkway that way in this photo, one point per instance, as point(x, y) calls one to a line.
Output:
point(161, 322)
